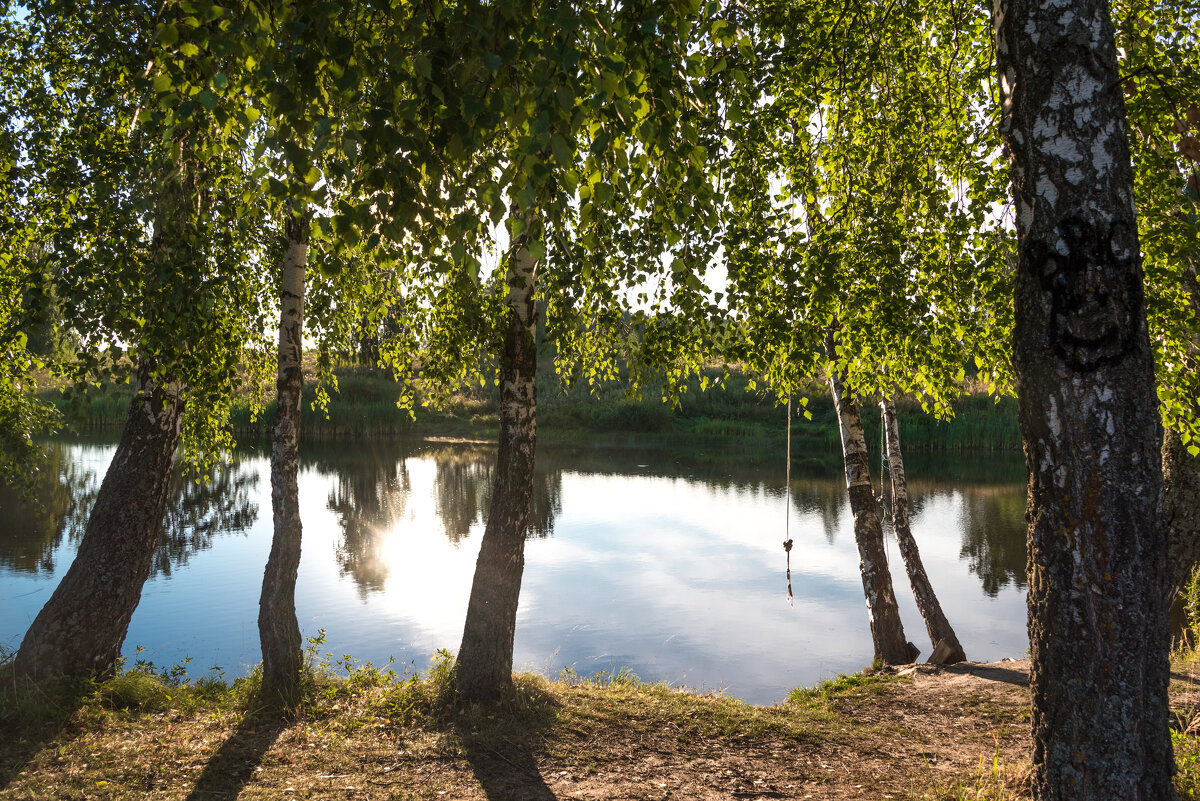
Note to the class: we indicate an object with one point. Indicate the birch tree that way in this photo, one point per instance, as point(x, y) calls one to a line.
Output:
point(1088, 412)
point(861, 248)
point(128, 139)
point(946, 647)
point(887, 630)
point(279, 631)
point(583, 142)
point(371, 167)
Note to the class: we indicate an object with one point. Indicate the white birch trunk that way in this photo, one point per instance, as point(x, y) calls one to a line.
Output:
point(887, 630)
point(485, 659)
point(946, 647)
point(279, 631)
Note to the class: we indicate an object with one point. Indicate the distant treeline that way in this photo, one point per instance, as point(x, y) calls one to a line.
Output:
point(365, 405)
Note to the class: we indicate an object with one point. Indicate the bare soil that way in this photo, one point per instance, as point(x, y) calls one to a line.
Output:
point(920, 732)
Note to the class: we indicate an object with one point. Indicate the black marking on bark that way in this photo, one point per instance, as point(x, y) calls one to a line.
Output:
point(1093, 292)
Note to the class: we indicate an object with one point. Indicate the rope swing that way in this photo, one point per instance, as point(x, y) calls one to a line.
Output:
point(885, 467)
point(787, 504)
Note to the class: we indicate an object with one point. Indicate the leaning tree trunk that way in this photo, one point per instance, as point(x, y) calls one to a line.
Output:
point(79, 632)
point(278, 630)
point(485, 659)
point(887, 630)
point(1098, 579)
point(946, 648)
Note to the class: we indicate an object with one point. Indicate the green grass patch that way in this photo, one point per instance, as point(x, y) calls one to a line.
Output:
point(849, 685)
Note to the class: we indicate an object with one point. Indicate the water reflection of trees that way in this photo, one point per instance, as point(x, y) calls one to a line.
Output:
point(463, 491)
point(221, 501)
point(368, 503)
point(371, 495)
point(827, 500)
point(33, 531)
point(993, 526)
point(992, 519)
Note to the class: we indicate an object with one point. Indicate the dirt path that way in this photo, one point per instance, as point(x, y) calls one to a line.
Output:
point(876, 737)
point(933, 727)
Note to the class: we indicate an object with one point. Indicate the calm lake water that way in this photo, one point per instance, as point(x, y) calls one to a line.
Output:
point(667, 560)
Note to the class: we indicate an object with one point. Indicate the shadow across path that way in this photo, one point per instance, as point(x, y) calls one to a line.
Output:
point(230, 769)
point(1005, 675)
point(1185, 678)
point(32, 718)
point(501, 743)
point(508, 772)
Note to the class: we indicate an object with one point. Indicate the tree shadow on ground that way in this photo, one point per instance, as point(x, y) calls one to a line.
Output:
point(1185, 678)
point(231, 768)
point(502, 742)
point(1004, 675)
point(32, 718)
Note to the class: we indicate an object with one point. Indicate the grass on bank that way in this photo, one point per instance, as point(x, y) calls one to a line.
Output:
point(149, 733)
point(143, 732)
point(1185, 664)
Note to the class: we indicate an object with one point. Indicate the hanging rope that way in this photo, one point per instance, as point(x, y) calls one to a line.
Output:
point(884, 466)
point(787, 505)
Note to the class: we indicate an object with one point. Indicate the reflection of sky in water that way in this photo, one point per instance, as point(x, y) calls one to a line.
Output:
point(679, 579)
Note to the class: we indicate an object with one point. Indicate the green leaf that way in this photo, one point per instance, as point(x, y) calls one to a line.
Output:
point(562, 152)
point(166, 35)
point(207, 99)
point(423, 66)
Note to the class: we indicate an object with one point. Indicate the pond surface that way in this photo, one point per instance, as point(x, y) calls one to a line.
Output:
point(667, 561)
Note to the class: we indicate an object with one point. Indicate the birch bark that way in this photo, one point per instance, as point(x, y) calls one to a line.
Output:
point(484, 668)
point(1098, 579)
point(946, 647)
point(887, 630)
point(278, 629)
point(80, 630)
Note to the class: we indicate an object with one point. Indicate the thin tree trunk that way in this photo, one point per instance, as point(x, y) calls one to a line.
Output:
point(1181, 470)
point(946, 647)
point(80, 630)
point(1181, 497)
point(485, 659)
point(1098, 578)
point(887, 630)
point(278, 629)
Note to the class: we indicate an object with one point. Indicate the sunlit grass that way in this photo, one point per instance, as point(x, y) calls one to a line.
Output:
point(994, 781)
